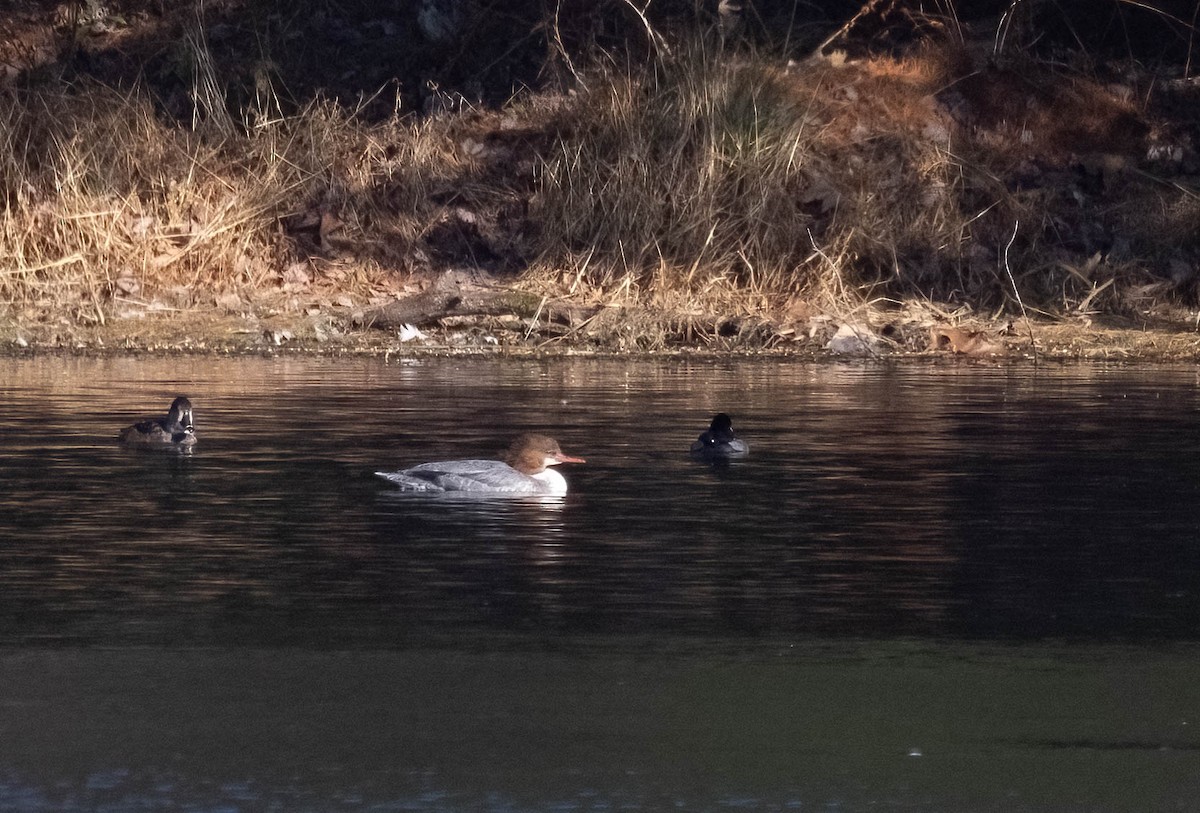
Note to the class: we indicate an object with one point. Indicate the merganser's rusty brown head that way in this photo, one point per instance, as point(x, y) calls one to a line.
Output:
point(531, 454)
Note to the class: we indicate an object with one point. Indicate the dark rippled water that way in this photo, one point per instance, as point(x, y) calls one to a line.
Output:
point(919, 573)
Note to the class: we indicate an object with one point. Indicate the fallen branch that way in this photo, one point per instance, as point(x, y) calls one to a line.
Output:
point(458, 294)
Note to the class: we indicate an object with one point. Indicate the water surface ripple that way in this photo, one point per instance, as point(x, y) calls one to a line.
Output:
point(926, 588)
point(977, 502)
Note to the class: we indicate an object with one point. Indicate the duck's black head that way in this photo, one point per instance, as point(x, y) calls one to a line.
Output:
point(721, 428)
point(180, 415)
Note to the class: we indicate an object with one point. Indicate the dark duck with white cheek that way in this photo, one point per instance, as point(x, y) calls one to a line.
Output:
point(177, 429)
point(719, 440)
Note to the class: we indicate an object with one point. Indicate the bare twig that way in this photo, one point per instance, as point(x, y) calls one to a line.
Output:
point(870, 7)
point(656, 40)
point(533, 322)
point(561, 47)
point(1016, 292)
point(1002, 29)
point(1187, 66)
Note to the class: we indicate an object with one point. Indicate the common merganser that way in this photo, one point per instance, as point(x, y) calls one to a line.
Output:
point(523, 469)
point(177, 429)
point(719, 441)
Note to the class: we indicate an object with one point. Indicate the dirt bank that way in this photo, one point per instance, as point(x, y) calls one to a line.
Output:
point(916, 335)
point(896, 184)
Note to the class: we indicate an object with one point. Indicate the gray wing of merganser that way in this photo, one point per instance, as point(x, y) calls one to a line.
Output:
point(484, 476)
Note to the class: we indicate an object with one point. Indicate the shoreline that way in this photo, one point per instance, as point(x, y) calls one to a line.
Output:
point(999, 343)
point(926, 200)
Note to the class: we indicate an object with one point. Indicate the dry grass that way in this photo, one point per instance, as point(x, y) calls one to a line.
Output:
point(712, 178)
point(101, 190)
point(104, 199)
point(691, 180)
point(721, 181)
point(706, 181)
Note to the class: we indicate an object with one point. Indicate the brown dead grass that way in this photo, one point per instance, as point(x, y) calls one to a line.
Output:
point(729, 181)
point(104, 200)
point(706, 182)
point(725, 181)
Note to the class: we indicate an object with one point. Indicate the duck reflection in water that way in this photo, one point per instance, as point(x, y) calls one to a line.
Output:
point(718, 443)
point(176, 430)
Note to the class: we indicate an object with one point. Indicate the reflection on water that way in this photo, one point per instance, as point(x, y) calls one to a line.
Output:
point(950, 507)
point(974, 502)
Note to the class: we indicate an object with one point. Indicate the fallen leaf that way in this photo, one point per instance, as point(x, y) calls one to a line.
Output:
point(127, 285)
point(229, 301)
point(966, 342)
point(296, 274)
point(140, 227)
point(853, 340)
point(163, 260)
point(329, 224)
point(304, 221)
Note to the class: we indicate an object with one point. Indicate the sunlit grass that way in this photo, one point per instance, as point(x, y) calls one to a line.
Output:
point(702, 181)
